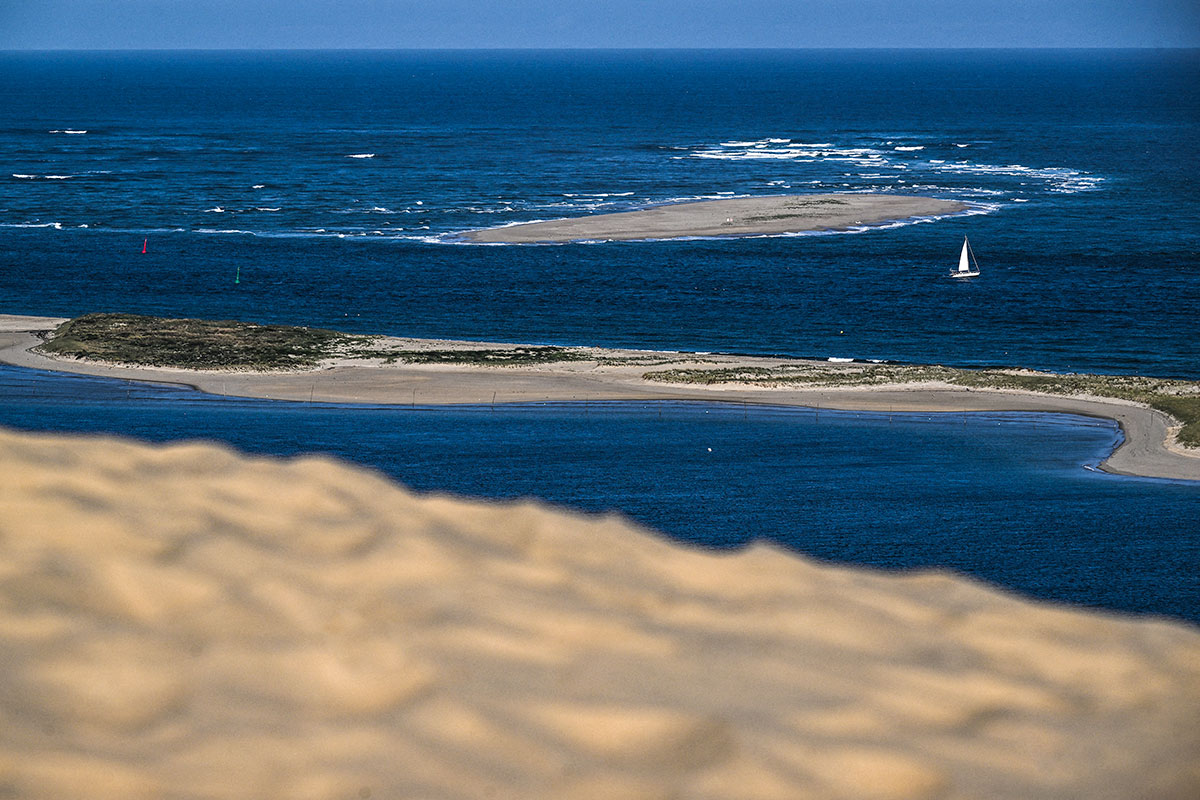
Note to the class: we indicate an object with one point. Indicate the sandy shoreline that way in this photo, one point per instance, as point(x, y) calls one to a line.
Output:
point(617, 375)
point(749, 216)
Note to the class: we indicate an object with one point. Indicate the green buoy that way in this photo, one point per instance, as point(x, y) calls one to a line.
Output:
point(238, 277)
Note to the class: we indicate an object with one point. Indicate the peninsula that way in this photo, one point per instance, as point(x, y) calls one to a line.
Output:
point(744, 216)
point(1160, 418)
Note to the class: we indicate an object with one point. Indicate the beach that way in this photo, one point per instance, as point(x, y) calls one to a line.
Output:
point(185, 622)
point(596, 374)
point(747, 216)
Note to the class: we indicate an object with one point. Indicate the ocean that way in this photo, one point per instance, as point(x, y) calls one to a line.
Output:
point(329, 188)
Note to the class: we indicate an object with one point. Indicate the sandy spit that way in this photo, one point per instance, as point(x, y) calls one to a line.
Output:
point(1148, 448)
point(747, 216)
point(183, 622)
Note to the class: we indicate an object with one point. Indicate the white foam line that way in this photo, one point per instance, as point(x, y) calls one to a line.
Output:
point(361, 155)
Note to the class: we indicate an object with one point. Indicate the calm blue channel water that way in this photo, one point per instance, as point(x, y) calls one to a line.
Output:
point(1003, 497)
point(336, 185)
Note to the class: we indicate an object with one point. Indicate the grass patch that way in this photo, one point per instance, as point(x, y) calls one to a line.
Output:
point(194, 343)
point(806, 375)
point(500, 356)
point(1180, 399)
point(1186, 409)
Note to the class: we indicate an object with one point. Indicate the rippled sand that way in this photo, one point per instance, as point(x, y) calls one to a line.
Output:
point(185, 622)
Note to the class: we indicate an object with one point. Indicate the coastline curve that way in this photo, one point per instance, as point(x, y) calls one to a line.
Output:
point(1147, 448)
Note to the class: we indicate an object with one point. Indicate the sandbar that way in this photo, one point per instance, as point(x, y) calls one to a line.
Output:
point(745, 216)
point(1148, 447)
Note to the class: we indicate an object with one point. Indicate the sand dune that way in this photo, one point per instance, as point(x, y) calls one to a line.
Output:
point(743, 216)
point(184, 622)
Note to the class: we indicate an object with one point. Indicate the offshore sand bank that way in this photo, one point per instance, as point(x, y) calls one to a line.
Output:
point(749, 216)
point(599, 374)
point(185, 623)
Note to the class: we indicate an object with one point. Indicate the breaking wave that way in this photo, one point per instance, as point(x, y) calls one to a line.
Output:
point(883, 161)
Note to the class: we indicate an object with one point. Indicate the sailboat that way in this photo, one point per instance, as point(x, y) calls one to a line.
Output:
point(968, 267)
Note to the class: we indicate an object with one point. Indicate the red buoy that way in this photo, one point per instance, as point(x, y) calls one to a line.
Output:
point(144, 245)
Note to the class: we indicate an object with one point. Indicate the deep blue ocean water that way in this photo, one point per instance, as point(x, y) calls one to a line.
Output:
point(334, 185)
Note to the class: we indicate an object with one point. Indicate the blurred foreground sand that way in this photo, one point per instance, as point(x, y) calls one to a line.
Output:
point(185, 622)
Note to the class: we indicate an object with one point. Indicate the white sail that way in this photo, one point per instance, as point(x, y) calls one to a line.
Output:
point(967, 268)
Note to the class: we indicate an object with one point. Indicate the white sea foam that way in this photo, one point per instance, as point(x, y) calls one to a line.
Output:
point(865, 162)
point(59, 177)
point(837, 360)
point(259, 186)
point(73, 132)
point(793, 151)
point(264, 208)
point(510, 209)
point(56, 225)
point(1057, 179)
point(214, 210)
point(24, 176)
point(361, 155)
